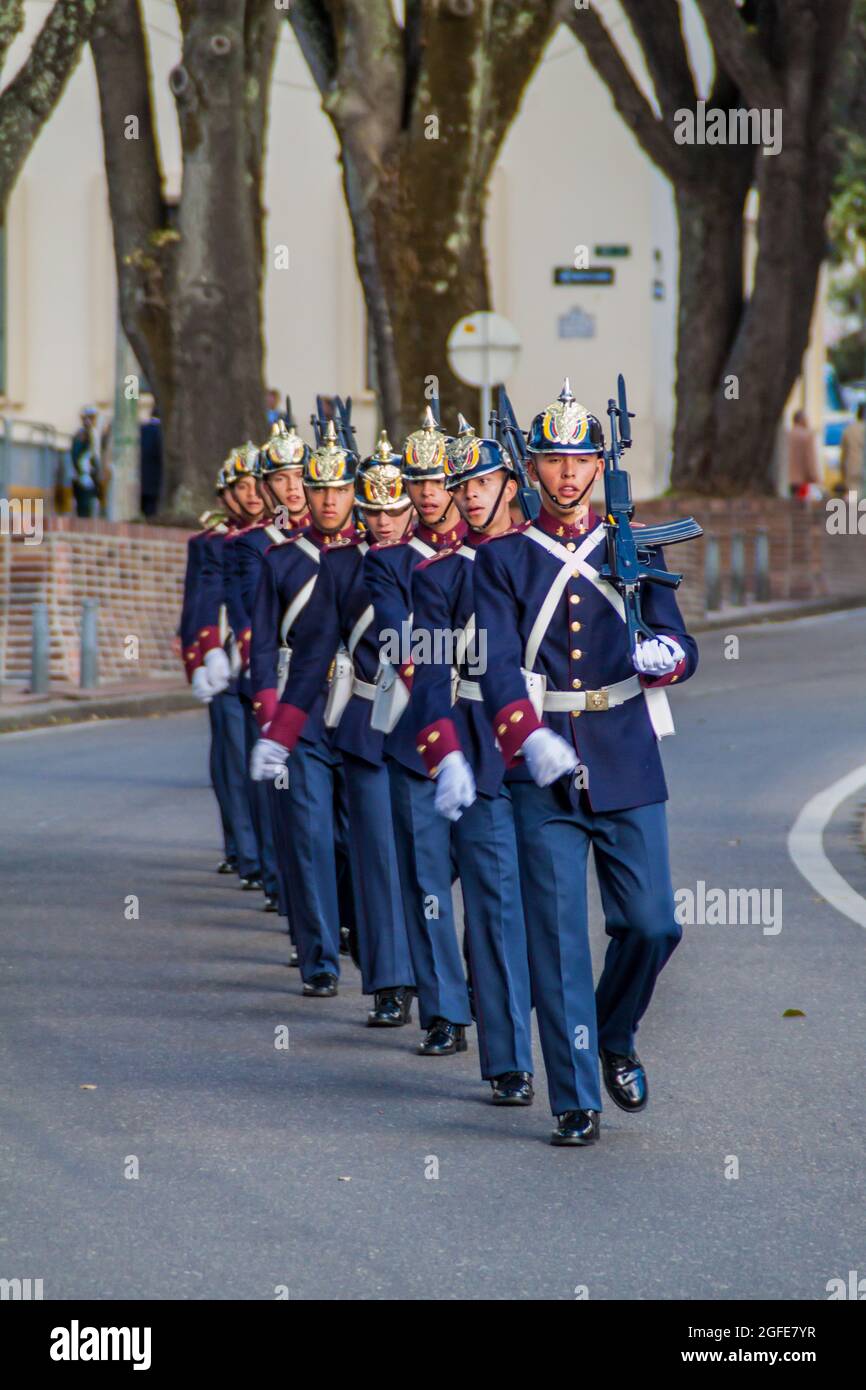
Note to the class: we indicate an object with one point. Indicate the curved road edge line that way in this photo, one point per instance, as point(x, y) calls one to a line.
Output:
point(806, 847)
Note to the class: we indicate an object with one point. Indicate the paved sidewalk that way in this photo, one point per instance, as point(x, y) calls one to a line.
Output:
point(69, 705)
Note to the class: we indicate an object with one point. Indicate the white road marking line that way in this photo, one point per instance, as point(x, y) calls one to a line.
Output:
point(806, 847)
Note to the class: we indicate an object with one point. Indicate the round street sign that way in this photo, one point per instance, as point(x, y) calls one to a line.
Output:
point(483, 349)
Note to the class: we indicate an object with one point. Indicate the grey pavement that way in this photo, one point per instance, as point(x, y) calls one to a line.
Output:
point(309, 1168)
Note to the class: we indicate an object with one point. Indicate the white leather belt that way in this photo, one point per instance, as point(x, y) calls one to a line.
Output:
point(563, 701)
point(364, 689)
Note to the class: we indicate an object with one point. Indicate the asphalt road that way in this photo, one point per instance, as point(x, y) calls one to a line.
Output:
point(308, 1169)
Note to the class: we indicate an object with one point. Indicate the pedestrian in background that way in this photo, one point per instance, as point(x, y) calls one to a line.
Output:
point(851, 457)
point(275, 413)
point(150, 460)
point(803, 471)
point(85, 463)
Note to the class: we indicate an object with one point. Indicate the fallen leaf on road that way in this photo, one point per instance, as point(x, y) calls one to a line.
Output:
point(87, 1087)
point(793, 1013)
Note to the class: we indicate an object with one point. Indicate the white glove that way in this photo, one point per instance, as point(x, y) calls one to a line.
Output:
point(548, 756)
point(267, 760)
point(455, 786)
point(201, 686)
point(218, 668)
point(657, 657)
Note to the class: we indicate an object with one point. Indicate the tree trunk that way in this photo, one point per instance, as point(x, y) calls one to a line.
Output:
point(216, 387)
point(419, 277)
point(710, 219)
point(190, 285)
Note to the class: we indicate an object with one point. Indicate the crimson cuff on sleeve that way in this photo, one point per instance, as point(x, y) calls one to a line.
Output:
point(512, 726)
point(435, 742)
point(208, 639)
point(654, 681)
point(264, 706)
point(287, 724)
point(191, 659)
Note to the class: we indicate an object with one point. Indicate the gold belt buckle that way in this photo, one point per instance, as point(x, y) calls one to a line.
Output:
point(597, 700)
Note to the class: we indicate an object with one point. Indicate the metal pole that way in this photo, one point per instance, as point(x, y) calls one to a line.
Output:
point(486, 406)
point(89, 673)
point(712, 574)
point(738, 568)
point(762, 565)
point(40, 665)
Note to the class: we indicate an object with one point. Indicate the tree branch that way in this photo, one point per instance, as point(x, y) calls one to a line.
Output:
point(658, 28)
point(738, 51)
point(628, 98)
point(312, 27)
point(33, 93)
point(11, 24)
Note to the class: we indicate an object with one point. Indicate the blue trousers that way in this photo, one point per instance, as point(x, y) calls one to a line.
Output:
point(260, 808)
point(318, 879)
point(631, 859)
point(383, 944)
point(496, 934)
point(423, 841)
point(218, 781)
point(228, 723)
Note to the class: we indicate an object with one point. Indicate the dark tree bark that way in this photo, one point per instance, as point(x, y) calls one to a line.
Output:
point(737, 357)
point(190, 283)
point(420, 113)
point(28, 100)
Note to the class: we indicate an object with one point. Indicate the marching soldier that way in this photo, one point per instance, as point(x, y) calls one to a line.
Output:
point(577, 716)
point(337, 629)
point(311, 799)
point(457, 744)
point(211, 677)
point(280, 481)
point(422, 836)
point(212, 522)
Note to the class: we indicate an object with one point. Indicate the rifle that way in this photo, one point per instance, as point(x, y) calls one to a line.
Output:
point(290, 419)
point(319, 421)
point(343, 421)
point(629, 563)
point(505, 430)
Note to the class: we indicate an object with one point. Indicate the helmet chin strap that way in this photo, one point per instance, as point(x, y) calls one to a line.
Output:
point(438, 522)
point(493, 510)
point(555, 500)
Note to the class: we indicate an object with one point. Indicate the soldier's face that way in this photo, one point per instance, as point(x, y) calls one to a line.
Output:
point(331, 507)
point(387, 527)
point(288, 488)
point(568, 476)
point(430, 499)
point(477, 498)
point(247, 494)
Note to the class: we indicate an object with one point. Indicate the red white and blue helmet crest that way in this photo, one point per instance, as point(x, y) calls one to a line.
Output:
point(565, 427)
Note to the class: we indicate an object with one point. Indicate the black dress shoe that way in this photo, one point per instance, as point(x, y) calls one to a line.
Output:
point(323, 986)
point(293, 957)
point(576, 1127)
point(272, 903)
point(625, 1080)
point(227, 866)
point(513, 1088)
point(344, 941)
point(391, 1008)
point(443, 1038)
point(252, 884)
